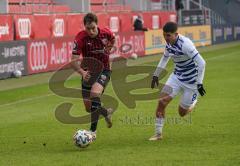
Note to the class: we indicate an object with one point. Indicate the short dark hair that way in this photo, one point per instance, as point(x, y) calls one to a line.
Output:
point(89, 18)
point(170, 27)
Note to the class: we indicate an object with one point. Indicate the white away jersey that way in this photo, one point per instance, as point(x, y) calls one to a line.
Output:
point(183, 53)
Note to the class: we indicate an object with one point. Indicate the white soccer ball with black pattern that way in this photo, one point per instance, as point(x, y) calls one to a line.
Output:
point(82, 138)
point(17, 73)
point(134, 56)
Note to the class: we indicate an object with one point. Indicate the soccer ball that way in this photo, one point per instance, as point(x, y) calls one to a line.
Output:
point(82, 138)
point(134, 56)
point(17, 73)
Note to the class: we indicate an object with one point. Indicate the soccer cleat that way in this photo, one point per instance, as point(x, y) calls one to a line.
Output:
point(94, 135)
point(108, 118)
point(156, 137)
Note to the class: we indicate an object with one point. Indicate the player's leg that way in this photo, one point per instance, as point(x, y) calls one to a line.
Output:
point(164, 100)
point(160, 116)
point(95, 104)
point(86, 97)
point(169, 91)
point(96, 92)
point(188, 101)
point(86, 90)
point(86, 94)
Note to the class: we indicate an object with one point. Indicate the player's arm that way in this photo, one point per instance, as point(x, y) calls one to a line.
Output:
point(160, 70)
point(76, 63)
point(201, 68)
point(110, 44)
point(192, 52)
point(201, 71)
point(75, 59)
point(111, 41)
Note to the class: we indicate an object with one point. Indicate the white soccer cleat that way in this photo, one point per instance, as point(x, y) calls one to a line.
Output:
point(108, 118)
point(94, 135)
point(156, 137)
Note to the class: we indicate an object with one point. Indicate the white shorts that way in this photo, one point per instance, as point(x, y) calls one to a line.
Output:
point(189, 96)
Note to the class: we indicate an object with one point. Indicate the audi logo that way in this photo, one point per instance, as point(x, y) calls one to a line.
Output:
point(114, 24)
point(58, 28)
point(38, 57)
point(24, 27)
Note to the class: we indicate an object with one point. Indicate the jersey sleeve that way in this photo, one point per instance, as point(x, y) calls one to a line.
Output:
point(189, 49)
point(77, 45)
point(201, 68)
point(111, 40)
point(162, 64)
point(110, 34)
point(166, 53)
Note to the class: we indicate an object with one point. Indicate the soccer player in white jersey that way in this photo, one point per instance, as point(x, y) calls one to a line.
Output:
point(187, 76)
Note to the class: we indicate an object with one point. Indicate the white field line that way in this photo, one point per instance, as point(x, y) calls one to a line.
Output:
point(221, 56)
point(26, 100)
point(47, 95)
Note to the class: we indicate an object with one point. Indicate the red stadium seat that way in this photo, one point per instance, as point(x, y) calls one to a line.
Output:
point(46, 1)
point(97, 8)
point(116, 8)
point(36, 9)
point(29, 8)
point(14, 1)
point(101, 2)
point(45, 9)
point(111, 1)
point(37, 1)
point(61, 8)
point(97, 2)
point(29, 1)
point(14, 9)
point(110, 8)
point(127, 8)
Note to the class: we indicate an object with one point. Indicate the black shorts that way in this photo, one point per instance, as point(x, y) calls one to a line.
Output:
point(102, 78)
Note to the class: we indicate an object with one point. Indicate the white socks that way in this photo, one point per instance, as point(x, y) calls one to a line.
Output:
point(159, 125)
point(193, 105)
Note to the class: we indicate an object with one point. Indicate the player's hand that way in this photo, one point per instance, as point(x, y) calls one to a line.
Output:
point(201, 90)
point(154, 81)
point(86, 75)
point(107, 49)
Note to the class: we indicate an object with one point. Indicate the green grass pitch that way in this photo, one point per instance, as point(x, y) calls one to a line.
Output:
point(31, 135)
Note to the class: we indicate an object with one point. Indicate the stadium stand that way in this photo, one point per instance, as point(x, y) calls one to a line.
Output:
point(51, 6)
point(37, 6)
point(109, 6)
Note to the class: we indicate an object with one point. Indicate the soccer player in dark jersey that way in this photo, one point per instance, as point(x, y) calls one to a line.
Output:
point(94, 44)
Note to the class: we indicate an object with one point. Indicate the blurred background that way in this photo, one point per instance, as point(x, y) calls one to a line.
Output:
point(36, 35)
point(36, 39)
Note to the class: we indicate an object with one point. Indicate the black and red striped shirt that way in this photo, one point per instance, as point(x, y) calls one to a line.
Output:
point(94, 47)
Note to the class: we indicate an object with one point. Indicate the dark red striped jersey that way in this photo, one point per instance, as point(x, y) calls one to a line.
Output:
point(94, 47)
